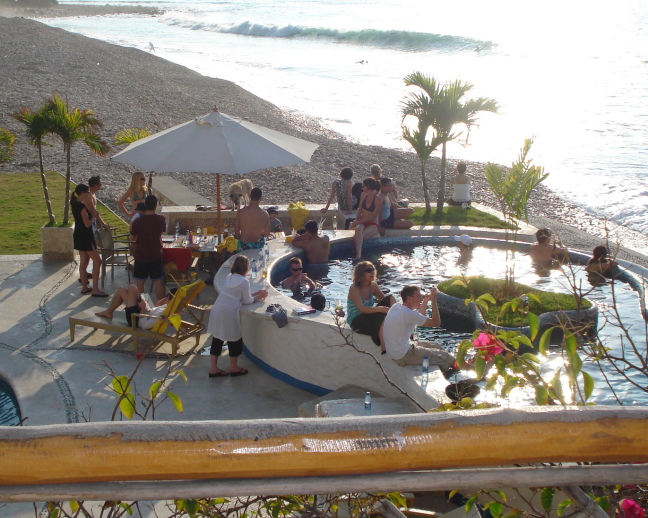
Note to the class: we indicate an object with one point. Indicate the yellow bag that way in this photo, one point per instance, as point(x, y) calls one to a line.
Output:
point(230, 244)
point(298, 214)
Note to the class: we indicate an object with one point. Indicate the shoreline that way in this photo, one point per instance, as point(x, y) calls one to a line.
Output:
point(129, 88)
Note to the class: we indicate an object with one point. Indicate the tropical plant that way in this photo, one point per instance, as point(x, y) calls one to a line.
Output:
point(130, 135)
point(440, 108)
point(36, 128)
point(7, 141)
point(512, 189)
point(73, 126)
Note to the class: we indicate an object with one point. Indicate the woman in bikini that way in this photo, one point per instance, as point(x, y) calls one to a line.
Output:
point(136, 193)
point(366, 223)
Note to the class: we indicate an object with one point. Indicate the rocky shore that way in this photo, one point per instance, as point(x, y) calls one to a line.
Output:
point(130, 88)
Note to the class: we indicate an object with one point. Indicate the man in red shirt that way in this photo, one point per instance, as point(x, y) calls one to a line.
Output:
point(148, 230)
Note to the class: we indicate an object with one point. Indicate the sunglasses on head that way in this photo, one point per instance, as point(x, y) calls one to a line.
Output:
point(296, 269)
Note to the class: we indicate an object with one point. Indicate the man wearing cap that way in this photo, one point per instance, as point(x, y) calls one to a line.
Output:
point(464, 242)
point(400, 323)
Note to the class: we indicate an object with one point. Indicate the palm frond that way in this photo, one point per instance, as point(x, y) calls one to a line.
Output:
point(130, 135)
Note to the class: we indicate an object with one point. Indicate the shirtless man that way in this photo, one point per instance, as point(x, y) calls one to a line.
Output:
point(298, 277)
point(543, 252)
point(91, 204)
point(252, 224)
point(317, 247)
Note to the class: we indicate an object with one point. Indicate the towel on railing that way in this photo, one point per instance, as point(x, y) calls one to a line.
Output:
point(298, 214)
point(230, 244)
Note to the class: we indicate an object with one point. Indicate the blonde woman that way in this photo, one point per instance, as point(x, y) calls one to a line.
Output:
point(136, 193)
point(363, 314)
point(224, 321)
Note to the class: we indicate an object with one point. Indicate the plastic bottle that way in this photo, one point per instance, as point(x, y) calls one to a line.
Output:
point(367, 403)
point(177, 230)
point(255, 270)
point(198, 232)
point(187, 238)
point(426, 370)
point(266, 253)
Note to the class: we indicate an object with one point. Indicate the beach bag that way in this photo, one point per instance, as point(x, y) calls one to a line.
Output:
point(298, 214)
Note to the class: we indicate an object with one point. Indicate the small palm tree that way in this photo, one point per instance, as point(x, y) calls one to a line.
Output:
point(130, 135)
point(441, 108)
point(36, 128)
point(7, 141)
point(73, 126)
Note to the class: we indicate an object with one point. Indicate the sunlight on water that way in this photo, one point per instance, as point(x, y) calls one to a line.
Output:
point(426, 265)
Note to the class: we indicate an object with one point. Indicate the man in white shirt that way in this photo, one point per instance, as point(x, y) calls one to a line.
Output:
point(400, 324)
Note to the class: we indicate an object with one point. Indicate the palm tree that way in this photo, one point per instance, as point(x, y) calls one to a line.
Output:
point(441, 108)
point(73, 126)
point(36, 127)
point(7, 141)
point(130, 135)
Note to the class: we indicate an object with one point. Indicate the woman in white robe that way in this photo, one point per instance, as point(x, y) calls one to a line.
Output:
point(224, 322)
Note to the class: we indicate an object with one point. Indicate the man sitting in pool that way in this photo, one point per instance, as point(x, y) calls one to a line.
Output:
point(317, 247)
point(297, 277)
point(252, 225)
point(545, 253)
point(400, 324)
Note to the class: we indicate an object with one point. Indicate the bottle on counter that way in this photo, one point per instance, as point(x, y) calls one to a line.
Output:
point(198, 232)
point(255, 269)
point(367, 403)
point(426, 370)
point(177, 230)
point(187, 237)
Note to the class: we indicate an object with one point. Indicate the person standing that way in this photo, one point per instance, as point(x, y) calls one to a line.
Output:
point(400, 323)
point(252, 225)
point(136, 193)
point(225, 321)
point(84, 240)
point(147, 231)
point(94, 183)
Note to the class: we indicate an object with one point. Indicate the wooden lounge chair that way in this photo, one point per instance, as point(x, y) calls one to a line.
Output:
point(180, 320)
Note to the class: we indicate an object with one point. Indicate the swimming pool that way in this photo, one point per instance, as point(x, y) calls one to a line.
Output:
point(429, 260)
point(9, 410)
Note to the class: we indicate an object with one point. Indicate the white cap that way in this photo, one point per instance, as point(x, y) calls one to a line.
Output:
point(464, 239)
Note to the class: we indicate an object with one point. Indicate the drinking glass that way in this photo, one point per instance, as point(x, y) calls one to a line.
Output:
point(334, 222)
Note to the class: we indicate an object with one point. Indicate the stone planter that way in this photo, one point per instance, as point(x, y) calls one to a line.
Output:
point(57, 243)
point(452, 307)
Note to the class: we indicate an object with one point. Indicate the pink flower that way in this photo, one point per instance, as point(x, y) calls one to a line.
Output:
point(631, 509)
point(488, 345)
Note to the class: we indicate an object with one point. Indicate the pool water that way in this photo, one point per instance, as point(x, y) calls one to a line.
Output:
point(9, 411)
point(428, 264)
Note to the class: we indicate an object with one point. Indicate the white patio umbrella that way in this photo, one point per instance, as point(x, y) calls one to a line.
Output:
point(216, 143)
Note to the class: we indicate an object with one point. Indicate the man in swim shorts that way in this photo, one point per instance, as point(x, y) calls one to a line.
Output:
point(252, 225)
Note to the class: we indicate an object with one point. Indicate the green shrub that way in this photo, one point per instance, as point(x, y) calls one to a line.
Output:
point(480, 285)
point(7, 141)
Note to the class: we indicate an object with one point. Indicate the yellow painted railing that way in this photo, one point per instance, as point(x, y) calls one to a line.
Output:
point(343, 447)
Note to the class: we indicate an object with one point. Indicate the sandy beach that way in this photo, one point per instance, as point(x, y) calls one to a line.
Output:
point(130, 88)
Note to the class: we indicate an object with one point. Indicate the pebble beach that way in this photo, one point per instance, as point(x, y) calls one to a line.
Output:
point(130, 88)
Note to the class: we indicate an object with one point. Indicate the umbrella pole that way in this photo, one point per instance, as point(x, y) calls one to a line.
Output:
point(219, 224)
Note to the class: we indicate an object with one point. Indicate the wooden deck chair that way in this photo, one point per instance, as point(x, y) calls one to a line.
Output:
point(180, 320)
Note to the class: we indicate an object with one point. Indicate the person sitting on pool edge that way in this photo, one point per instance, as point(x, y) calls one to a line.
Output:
point(362, 315)
point(317, 247)
point(297, 277)
point(400, 323)
point(544, 253)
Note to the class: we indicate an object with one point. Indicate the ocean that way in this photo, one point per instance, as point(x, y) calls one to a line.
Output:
point(572, 75)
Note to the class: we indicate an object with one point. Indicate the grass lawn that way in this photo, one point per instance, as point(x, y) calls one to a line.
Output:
point(459, 216)
point(24, 212)
point(548, 301)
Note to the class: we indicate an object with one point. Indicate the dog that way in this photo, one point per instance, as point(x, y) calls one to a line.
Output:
point(239, 193)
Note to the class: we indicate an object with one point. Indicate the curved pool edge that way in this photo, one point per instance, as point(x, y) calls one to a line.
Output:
point(310, 353)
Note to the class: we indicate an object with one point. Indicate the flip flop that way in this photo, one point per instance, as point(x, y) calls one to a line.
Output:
point(88, 275)
point(86, 291)
point(219, 374)
point(241, 372)
point(99, 294)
